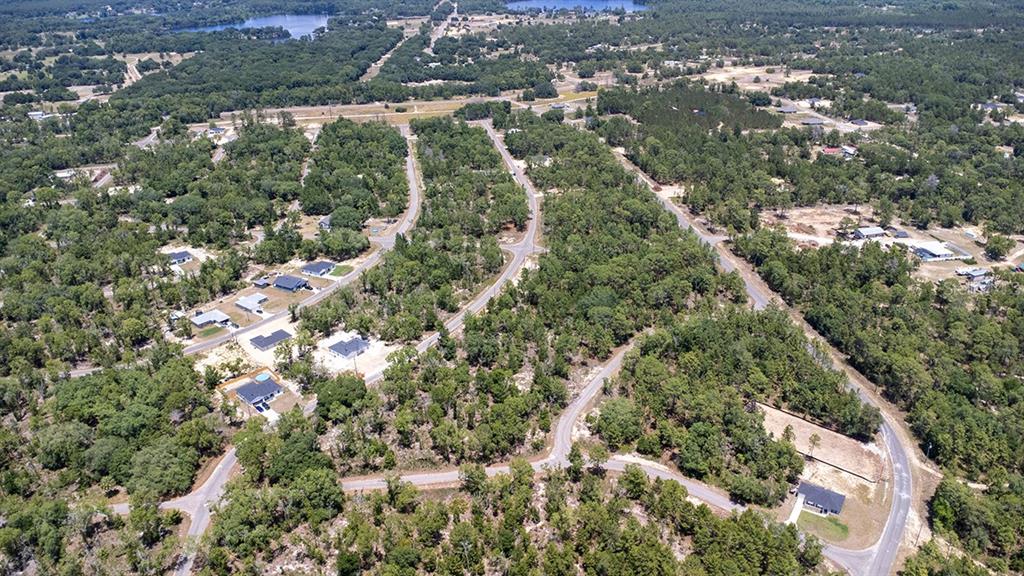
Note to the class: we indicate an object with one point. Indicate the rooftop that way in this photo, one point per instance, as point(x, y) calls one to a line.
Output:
point(257, 390)
point(289, 282)
point(822, 497)
point(213, 316)
point(349, 347)
point(270, 340)
point(318, 268)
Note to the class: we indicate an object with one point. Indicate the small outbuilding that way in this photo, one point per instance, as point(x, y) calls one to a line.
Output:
point(822, 499)
point(325, 223)
point(813, 122)
point(290, 283)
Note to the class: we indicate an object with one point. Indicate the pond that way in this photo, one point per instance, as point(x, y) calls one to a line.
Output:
point(588, 5)
point(298, 25)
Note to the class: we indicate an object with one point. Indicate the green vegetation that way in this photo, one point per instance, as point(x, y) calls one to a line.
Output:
point(828, 528)
point(688, 389)
point(585, 515)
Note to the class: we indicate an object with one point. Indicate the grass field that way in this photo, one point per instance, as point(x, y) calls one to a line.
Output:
point(340, 271)
point(827, 528)
point(207, 332)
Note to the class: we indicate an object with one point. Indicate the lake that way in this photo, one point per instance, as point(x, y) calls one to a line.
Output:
point(298, 25)
point(589, 5)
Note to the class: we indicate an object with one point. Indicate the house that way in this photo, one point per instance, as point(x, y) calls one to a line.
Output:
point(990, 106)
point(260, 390)
point(176, 258)
point(868, 232)
point(271, 340)
point(824, 500)
point(787, 110)
point(252, 303)
point(290, 283)
point(261, 282)
point(831, 151)
point(216, 317)
point(325, 223)
point(932, 251)
point(350, 347)
point(848, 151)
point(859, 122)
point(813, 122)
point(319, 268)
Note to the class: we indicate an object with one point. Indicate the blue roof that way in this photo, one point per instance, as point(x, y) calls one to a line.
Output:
point(318, 268)
point(176, 256)
point(289, 282)
point(272, 339)
point(349, 347)
point(256, 391)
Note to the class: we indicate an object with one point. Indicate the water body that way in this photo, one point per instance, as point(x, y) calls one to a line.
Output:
point(298, 25)
point(588, 5)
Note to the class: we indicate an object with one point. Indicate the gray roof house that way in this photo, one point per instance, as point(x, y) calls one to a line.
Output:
point(261, 389)
point(290, 283)
point(826, 501)
point(179, 257)
point(319, 268)
point(270, 340)
point(325, 223)
point(349, 347)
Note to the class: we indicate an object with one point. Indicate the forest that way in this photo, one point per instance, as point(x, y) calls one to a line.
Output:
point(949, 358)
point(688, 389)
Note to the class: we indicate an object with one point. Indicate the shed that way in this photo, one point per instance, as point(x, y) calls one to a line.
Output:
point(325, 223)
point(787, 109)
point(290, 283)
point(859, 122)
point(319, 268)
point(252, 303)
point(270, 340)
point(349, 347)
point(826, 501)
point(261, 389)
point(261, 282)
point(813, 122)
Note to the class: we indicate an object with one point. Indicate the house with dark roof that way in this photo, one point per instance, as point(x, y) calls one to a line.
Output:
point(271, 340)
point(261, 389)
point(290, 283)
point(350, 347)
point(859, 122)
point(821, 499)
point(786, 109)
point(181, 257)
point(320, 268)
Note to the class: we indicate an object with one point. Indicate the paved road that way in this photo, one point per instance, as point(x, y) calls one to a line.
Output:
point(880, 558)
point(385, 243)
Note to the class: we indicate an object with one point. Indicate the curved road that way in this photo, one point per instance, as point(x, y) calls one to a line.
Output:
point(880, 558)
point(198, 502)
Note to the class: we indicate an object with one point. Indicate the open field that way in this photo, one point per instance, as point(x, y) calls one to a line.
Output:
point(755, 78)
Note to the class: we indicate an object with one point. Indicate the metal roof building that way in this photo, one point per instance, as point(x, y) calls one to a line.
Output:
point(827, 501)
point(179, 257)
point(252, 303)
point(211, 317)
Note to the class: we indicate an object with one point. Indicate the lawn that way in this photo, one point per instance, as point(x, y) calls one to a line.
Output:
point(340, 271)
point(827, 527)
point(207, 332)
